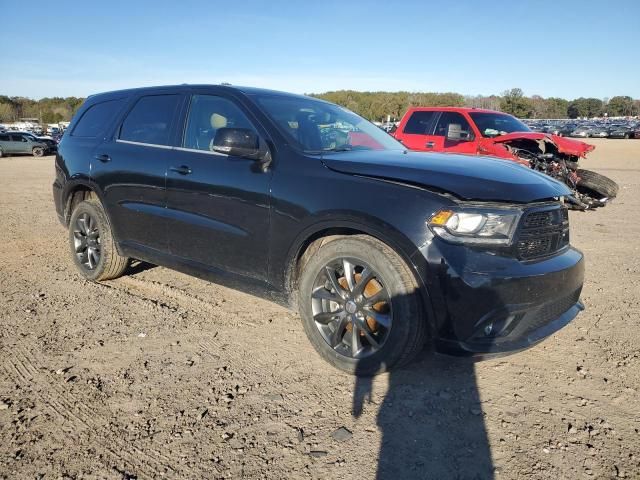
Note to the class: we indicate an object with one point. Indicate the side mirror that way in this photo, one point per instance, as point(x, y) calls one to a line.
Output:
point(456, 134)
point(238, 142)
point(242, 142)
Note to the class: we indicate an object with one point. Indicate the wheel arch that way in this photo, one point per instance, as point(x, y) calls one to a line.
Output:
point(314, 237)
point(76, 191)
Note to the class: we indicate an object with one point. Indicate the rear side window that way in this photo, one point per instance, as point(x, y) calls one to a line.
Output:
point(420, 123)
point(4, 138)
point(97, 118)
point(150, 120)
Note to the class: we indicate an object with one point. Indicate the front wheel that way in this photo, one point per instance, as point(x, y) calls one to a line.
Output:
point(92, 245)
point(38, 151)
point(360, 306)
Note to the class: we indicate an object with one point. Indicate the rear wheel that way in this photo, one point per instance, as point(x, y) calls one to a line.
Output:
point(38, 151)
point(360, 306)
point(1, 153)
point(595, 185)
point(92, 246)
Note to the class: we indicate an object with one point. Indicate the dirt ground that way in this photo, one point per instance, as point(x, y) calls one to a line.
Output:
point(158, 374)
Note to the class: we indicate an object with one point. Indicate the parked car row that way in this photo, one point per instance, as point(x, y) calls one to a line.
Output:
point(588, 129)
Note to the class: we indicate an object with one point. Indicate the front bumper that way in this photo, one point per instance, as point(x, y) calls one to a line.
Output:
point(493, 305)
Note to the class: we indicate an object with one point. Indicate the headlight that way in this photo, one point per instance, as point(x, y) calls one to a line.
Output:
point(475, 226)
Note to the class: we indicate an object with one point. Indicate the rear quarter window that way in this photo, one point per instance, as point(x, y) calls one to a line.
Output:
point(97, 118)
point(420, 123)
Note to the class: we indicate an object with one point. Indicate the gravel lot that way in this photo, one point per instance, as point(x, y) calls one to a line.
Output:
point(160, 374)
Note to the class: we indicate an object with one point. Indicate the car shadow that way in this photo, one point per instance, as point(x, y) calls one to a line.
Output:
point(138, 266)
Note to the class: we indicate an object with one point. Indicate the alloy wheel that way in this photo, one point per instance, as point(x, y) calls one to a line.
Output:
point(86, 241)
point(351, 308)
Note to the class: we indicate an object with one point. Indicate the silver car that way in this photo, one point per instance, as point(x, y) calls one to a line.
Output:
point(13, 142)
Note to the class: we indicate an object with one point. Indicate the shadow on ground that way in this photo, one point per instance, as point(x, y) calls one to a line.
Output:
point(431, 421)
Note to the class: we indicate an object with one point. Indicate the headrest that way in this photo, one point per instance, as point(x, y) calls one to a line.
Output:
point(218, 121)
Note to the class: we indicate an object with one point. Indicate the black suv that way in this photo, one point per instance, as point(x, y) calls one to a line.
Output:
point(305, 203)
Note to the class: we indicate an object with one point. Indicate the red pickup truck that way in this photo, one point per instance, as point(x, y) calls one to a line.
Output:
point(486, 132)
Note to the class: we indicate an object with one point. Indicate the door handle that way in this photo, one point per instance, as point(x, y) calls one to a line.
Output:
point(182, 170)
point(104, 158)
point(430, 144)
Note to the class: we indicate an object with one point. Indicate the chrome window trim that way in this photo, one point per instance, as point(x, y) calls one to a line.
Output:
point(196, 150)
point(155, 145)
point(169, 147)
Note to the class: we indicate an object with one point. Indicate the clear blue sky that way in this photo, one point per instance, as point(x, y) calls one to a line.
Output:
point(550, 48)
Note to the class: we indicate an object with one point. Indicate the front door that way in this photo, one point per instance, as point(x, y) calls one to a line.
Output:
point(417, 133)
point(466, 141)
point(217, 204)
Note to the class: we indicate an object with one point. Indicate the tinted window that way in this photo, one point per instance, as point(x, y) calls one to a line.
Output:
point(150, 120)
point(4, 138)
point(97, 118)
point(420, 123)
point(207, 114)
point(18, 138)
point(451, 118)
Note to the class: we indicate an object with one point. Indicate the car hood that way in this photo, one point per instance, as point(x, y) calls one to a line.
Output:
point(465, 176)
point(564, 145)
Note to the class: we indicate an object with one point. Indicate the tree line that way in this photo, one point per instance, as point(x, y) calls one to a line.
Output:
point(47, 110)
point(377, 105)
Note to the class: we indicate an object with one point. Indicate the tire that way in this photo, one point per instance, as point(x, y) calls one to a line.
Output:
point(397, 305)
point(91, 243)
point(1, 153)
point(38, 151)
point(594, 183)
point(626, 136)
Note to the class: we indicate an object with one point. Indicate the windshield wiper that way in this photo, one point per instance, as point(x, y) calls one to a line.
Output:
point(343, 148)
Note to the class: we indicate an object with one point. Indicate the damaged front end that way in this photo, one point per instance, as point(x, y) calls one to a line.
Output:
point(557, 157)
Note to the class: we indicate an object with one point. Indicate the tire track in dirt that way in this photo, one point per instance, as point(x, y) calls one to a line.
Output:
point(27, 370)
point(150, 291)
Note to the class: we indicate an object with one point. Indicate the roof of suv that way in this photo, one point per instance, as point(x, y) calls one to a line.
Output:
point(245, 90)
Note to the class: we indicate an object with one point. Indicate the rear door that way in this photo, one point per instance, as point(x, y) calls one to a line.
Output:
point(131, 167)
point(455, 122)
point(417, 133)
point(5, 143)
point(218, 204)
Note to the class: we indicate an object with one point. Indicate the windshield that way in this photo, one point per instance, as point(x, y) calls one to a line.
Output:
point(494, 124)
point(316, 126)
